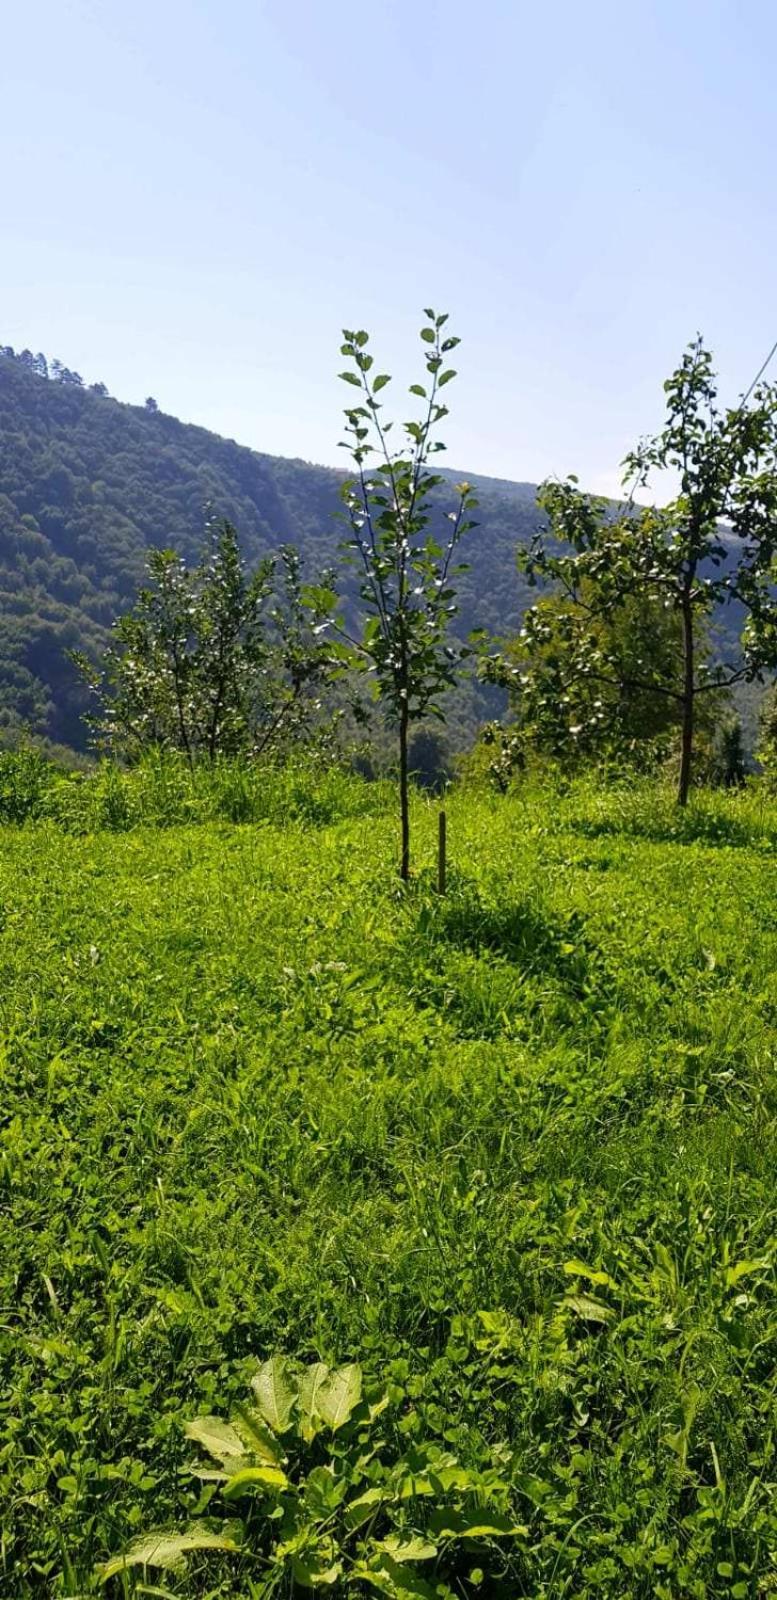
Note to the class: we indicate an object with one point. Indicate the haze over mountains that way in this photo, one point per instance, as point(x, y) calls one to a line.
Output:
point(88, 483)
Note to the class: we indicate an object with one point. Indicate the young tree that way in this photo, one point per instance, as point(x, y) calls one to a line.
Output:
point(713, 545)
point(406, 568)
point(211, 661)
point(150, 403)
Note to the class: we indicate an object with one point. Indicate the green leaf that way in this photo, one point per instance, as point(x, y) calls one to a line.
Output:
point(579, 1268)
point(381, 380)
point(418, 388)
point(275, 1392)
point(156, 1591)
point(450, 1475)
point(585, 1306)
point(393, 1579)
point(311, 1576)
point(451, 1522)
point(269, 1479)
point(743, 1269)
point(323, 1492)
point(339, 1395)
point(445, 377)
point(165, 1550)
point(310, 1384)
point(257, 1436)
point(407, 1547)
point(351, 377)
point(359, 1510)
point(217, 1437)
point(428, 335)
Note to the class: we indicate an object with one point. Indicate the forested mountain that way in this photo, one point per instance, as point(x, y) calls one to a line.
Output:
point(87, 483)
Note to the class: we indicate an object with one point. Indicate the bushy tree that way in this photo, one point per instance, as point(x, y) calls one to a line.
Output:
point(212, 660)
point(578, 716)
point(713, 544)
point(403, 539)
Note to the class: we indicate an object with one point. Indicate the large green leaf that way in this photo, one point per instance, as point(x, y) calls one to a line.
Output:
point(217, 1437)
point(587, 1307)
point(363, 1507)
point(315, 1574)
point(339, 1395)
point(166, 1550)
point(407, 1547)
point(453, 1522)
point(276, 1392)
point(256, 1434)
point(392, 1578)
point(579, 1269)
point(267, 1479)
point(323, 1492)
point(310, 1385)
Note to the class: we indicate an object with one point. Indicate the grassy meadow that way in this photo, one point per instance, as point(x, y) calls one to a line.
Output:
point(513, 1151)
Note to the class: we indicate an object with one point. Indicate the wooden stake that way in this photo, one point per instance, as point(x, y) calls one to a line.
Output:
point(441, 853)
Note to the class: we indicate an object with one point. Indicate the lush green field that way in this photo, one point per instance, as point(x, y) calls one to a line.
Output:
point(513, 1151)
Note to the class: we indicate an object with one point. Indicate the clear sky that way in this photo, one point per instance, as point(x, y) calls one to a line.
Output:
point(198, 195)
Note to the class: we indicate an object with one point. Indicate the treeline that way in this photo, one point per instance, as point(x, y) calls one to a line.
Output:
point(57, 372)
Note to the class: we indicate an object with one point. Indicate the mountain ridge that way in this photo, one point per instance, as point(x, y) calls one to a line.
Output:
point(88, 483)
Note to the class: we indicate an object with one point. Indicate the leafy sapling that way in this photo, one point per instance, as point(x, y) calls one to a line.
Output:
point(403, 541)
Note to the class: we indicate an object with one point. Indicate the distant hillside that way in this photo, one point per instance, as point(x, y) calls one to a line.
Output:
point(87, 483)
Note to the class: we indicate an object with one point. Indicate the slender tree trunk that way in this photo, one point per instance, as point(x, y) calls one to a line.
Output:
point(688, 700)
point(404, 804)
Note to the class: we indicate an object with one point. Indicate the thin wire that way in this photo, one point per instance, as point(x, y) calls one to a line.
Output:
point(759, 374)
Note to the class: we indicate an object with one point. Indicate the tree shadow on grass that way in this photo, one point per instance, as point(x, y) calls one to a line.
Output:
point(503, 969)
point(521, 932)
point(680, 827)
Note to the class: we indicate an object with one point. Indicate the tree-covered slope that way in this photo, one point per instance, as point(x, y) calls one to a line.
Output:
point(87, 483)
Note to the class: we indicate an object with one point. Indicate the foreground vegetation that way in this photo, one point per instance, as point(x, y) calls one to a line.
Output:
point(512, 1151)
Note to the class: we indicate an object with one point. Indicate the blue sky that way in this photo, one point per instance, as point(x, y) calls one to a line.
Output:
point(197, 196)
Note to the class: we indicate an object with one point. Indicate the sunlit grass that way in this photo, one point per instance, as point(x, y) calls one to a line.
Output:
point(515, 1149)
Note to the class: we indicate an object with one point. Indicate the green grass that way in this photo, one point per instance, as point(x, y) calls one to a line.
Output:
point(514, 1151)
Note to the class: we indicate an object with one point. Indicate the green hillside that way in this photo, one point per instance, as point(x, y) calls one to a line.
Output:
point(87, 483)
